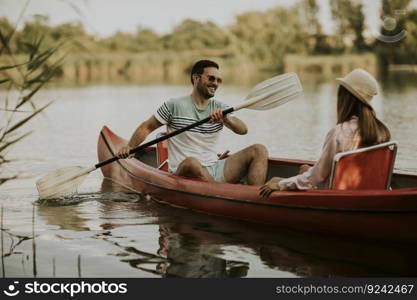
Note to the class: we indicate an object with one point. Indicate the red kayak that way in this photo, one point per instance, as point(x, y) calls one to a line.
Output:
point(371, 213)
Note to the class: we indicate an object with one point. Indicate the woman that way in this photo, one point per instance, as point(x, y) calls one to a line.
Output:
point(357, 127)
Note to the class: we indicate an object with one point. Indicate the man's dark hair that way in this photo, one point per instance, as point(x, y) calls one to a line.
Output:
point(199, 66)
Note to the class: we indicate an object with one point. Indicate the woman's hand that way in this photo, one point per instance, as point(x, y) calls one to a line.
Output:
point(272, 185)
point(303, 169)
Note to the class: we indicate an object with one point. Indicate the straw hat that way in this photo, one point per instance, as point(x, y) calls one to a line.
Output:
point(361, 84)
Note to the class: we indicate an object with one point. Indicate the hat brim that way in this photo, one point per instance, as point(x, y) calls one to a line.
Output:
point(343, 83)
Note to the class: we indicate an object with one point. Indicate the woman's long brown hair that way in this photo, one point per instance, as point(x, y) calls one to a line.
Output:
point(371, 130)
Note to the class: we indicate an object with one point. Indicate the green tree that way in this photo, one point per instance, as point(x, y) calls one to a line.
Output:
point(350, 20)
point(308, 11)
point(411, 38)
point(120, 41)
point(67, 31)
point(267, 36)
point(148, 40)
point(144, 40)
point(195, 35)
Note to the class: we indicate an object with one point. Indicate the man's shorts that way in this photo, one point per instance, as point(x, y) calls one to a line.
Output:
point(216, 170)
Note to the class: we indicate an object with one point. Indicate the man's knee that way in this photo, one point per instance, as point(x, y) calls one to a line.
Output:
point(190, 164)
point(259, 150)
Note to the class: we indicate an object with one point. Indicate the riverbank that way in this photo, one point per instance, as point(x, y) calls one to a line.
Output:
point(143, 68)
point(173, 67)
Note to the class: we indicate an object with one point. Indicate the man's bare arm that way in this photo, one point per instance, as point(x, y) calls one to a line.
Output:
point(140, 135)
point(236, 125)
point(233, 123)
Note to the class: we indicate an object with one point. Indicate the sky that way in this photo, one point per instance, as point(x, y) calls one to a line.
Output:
point(106, 17)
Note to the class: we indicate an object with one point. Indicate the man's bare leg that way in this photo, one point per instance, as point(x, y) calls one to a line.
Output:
point(251, 161)
point(191, 167)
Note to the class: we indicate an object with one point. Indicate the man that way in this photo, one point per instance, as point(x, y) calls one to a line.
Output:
point(191, 153)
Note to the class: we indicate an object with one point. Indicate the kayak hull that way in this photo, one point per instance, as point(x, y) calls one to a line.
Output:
point(376, 214)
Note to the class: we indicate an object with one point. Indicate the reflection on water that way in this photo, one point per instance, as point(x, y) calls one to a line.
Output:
point(64, 217)
point(106, 231)
point(178, 255)
point(189, 257)
point(138, 237)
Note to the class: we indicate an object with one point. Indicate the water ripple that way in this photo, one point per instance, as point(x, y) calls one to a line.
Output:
point(85, 197)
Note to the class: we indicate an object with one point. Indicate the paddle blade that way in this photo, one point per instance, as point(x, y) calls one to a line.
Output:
point(62, 183)
point(274, 92)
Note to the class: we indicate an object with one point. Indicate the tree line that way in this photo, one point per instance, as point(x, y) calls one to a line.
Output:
point(264, 37)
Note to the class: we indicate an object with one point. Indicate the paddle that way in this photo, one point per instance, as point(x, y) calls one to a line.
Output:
point(266, 95)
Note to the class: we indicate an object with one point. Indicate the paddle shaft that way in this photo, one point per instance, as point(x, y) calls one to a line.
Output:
point(162, 138)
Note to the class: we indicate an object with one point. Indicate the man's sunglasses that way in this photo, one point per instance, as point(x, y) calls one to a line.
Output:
point(213, 78)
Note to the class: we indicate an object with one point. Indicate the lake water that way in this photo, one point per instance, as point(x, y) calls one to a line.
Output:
point(105, 233)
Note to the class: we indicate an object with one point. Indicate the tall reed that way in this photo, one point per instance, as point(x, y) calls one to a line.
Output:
point(22, 78)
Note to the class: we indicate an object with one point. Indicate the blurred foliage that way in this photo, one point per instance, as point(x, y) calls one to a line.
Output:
point(23, 78)
point(308, 11)
point(264, 37)
point(267, 36)
point(144, 40)
point(195, 35)
point(350, 21)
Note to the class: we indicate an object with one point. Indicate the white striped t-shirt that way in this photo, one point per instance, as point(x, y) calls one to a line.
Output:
point(198, 142)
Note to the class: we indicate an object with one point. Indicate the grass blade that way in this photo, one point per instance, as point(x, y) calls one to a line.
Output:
point(31, 94)
point(41, 59)
point(4, 80)
point(22, 122)
point(4, 179)
point(8, 144)
point(11, 66)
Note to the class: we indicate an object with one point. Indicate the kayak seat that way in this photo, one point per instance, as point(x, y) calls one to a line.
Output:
point(162, 153)
point(364, 168)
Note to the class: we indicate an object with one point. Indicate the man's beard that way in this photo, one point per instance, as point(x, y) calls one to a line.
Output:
point(202, 90)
